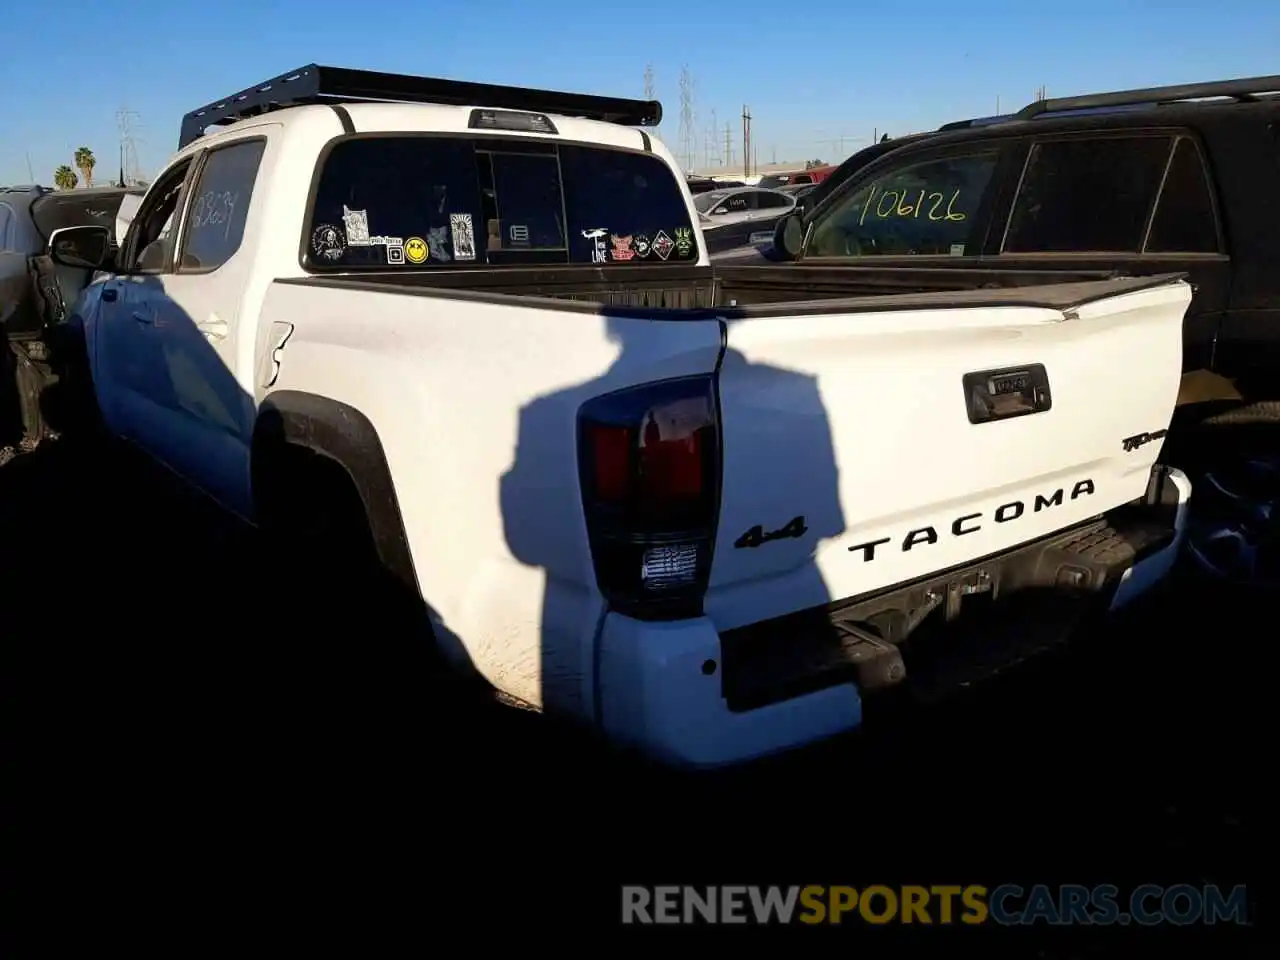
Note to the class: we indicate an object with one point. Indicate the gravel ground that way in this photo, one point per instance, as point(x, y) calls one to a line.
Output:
point(257, 752)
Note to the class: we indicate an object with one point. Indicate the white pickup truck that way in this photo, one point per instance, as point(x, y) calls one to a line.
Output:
point(705, 511)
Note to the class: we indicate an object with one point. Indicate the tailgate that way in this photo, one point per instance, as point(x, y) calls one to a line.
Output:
point(868, 447)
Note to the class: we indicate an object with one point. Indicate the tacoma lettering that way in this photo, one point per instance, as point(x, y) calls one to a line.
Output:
point(971, 522)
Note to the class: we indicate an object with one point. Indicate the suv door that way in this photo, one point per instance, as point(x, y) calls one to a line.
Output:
point(920, 208)
point(1137, 202)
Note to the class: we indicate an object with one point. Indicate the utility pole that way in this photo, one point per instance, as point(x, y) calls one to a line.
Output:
point(650, 93)
point(688, 137)
point(746, 141)
point(128, 146)
point(30, 170)
point(728, 146)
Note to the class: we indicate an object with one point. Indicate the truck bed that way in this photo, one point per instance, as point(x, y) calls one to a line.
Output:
point(757, 291)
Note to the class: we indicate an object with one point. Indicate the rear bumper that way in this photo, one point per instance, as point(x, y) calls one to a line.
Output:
point(692, 696)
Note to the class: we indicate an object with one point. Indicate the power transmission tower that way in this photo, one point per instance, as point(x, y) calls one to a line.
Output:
point(728, 145)
point(713, 142)
point(650, 93)
point(129, 174)
point(688, 143)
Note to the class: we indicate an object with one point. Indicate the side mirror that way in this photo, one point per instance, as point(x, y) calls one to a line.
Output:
point(88, 248)
point(788, 236)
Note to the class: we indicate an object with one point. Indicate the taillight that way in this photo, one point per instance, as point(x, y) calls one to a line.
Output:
point(649, 463)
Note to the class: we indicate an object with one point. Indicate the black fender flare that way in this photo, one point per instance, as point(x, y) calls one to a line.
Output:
point(346, 436)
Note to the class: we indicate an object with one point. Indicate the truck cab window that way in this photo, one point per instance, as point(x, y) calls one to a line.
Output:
point(927, 208)
point(1088, 195)
point(151, 237)
point(220, 205)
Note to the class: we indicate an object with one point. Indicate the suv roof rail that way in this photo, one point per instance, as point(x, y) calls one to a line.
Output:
point(1242, 89)
point(22, 188)
point(316, 84)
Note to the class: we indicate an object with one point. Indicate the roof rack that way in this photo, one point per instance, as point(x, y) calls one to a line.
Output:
point(317, 84)
point(1242, 90)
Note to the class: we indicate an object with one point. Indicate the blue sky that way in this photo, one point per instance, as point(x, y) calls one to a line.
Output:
point(819, 77)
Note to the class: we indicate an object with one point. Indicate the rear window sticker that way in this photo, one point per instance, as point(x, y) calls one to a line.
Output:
point(641, 245)
point(599, 249)
point(519, 234)
point(662, 244)
point(684, 240)
point(957, 249)
point(436, 244)
point(357, 224)
point(622, 248)
point(395, 251)
point(415, 250)
point(328, 243)
point(464, 238)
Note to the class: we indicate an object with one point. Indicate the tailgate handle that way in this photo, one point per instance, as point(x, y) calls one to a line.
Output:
point(1006, 393)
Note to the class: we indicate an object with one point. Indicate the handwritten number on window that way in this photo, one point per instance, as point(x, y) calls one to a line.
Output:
point(899, 203)
point(214, 208)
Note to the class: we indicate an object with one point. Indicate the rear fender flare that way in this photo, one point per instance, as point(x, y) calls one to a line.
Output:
point(345, 435)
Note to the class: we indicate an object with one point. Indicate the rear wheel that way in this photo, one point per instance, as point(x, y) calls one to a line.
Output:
point(315, 526)
point(1232, 454)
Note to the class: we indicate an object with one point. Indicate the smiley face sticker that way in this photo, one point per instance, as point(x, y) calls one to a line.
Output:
point(416, 250)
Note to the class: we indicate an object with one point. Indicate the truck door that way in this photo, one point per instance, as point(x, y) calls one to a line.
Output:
point(197, 311)
point(129, 374)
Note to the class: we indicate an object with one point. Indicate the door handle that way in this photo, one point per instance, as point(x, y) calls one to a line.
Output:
point(109, 294)
point(1002, 394)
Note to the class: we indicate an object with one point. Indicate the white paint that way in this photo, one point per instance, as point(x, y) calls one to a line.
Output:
point(856, 420)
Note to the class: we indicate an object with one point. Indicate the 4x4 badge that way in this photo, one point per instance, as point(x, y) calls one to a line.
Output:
point(662, 244)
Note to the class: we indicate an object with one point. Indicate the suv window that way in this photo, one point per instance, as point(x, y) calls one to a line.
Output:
point(5, 216)
point(1184, 221)
point(929, 207)
point(1087, 195)
point(772, 201)
point(219, 206)
point(427, 200)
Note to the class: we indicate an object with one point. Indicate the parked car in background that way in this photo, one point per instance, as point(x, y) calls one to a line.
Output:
point(773, 181)
point(34, 291)
point(707, 184)
point(798, 190)
point(730, 218)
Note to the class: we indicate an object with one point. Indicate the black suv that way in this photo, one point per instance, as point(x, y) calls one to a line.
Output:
point(1170, 179)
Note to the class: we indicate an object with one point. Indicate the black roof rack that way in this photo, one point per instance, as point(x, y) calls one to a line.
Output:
point(317, 84)
point(1243, 89)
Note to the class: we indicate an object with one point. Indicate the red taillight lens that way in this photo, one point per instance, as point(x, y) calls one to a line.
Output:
point(672, 469)
point(610, 449)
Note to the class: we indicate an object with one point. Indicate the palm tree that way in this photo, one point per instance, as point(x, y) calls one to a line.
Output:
point(85, 162)
point(64, 178)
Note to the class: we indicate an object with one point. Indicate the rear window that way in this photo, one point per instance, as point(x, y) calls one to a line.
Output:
point(418, 202)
